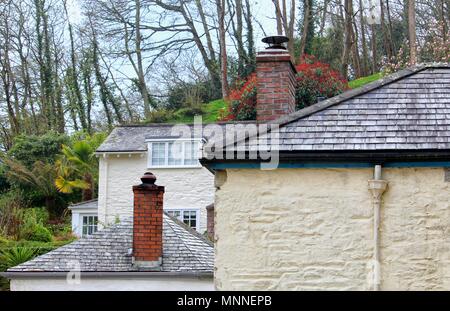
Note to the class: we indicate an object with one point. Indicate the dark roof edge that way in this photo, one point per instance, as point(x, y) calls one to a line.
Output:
point(356, 92)
point(19, 274)
point(343, 156)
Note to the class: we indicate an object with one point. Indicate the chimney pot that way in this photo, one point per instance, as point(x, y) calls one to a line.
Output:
point(148, 178)
point(276, 42)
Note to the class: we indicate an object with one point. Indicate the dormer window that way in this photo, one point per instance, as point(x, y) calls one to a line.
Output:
point(173, 153)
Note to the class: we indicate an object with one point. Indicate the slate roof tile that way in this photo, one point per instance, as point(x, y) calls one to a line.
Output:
point(108, 251)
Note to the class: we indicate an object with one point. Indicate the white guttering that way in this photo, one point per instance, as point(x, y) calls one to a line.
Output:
point(377, 187)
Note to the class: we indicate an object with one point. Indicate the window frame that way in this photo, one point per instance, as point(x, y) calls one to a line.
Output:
point(181, 218)
point(95, 225)
point(166, 150)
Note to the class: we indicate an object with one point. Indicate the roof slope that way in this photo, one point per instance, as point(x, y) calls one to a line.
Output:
point(90, 204)
point(409, 110)
point(107, 251)
point(131, 138)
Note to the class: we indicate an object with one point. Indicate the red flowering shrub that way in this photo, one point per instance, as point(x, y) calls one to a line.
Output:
point(243, 100)
point(314, 80)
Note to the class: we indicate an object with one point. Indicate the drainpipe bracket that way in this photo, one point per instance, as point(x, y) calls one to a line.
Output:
point(377, 187)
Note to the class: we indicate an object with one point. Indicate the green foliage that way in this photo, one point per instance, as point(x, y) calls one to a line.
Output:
point(185, 95)
point(33, 228)
point(78, 166)
point(29, 149)
point(364, 80)
point(13, 256)
point(160, 116)
point(210, 112)
point(4, 184)
point(40, 233)
point(12, 206)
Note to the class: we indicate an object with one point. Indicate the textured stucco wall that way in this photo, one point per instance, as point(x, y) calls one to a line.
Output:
point(113, 284)
point(185, 188)
point(311, 229)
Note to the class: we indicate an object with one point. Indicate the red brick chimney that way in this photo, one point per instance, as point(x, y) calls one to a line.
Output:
point(275, 75)
point(148, 223)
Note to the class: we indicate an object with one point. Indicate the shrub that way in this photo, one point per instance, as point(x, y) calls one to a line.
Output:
point(243, 100)
point(12, 207)
point(13, 256)
point(314, 80)
point(31, 148)
point(40, 233)
point(159, 116)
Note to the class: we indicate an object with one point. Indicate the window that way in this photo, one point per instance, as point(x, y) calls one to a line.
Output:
point(89, 225)
point(173, 154)
point(189, 217)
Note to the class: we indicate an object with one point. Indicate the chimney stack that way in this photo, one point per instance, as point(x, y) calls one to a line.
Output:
point(148, 223)
point(275, 76)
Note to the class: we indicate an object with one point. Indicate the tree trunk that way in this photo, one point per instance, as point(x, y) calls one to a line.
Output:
point(306, 24)
point(278, 17)
point(348, 37)
point(384, 31)
point(365, 57)
point(140, 72)
point(223, 48)
point(412, 32)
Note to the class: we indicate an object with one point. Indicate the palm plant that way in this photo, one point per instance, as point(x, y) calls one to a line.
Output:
point(11, 257)
point(77, 169)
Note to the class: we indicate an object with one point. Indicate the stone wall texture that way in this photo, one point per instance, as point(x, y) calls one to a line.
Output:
point(185, 188)
point(311, 229)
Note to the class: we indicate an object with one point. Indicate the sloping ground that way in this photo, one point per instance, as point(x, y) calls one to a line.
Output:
point(212, 110)
point(364, 80)
point(211, 113)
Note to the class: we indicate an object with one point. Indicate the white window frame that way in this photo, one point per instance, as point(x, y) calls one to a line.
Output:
point(167, 141)
point(182, 210)
point(81, 223)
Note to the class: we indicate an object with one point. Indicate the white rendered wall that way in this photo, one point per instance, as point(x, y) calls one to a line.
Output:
point(185, 188)
point(113, 284)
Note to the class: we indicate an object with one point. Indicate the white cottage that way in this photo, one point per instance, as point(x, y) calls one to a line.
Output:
point(150, 250)
point(125, 154)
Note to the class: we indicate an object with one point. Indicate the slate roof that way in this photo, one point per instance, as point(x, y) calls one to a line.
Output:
point(408, 110)
point(91, 204)
point(131, 138)
point(184, 250)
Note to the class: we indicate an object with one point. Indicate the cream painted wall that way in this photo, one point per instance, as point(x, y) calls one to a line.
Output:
point(113, 284)
point(186, 188)
point(311, 229)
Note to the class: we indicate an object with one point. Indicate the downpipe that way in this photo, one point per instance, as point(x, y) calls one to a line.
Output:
point(377, 186)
